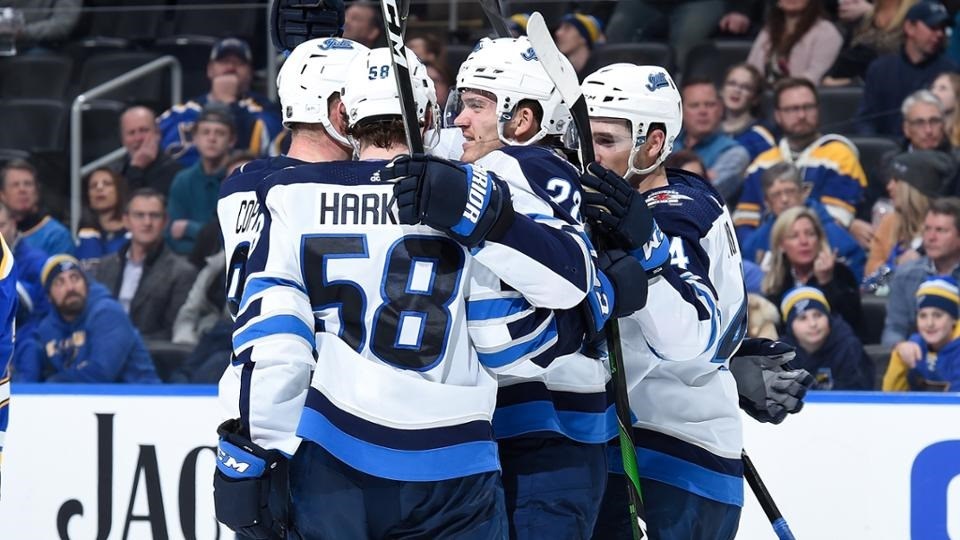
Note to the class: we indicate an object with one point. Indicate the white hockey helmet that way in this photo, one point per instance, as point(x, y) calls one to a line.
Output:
point(313, 72)
point(641, 95)
point(509, 69)
point(370, 89)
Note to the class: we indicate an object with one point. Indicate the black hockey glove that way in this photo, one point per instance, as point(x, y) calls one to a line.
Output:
point(769, 389)
point(294, 21)
point(627, 278)
point(464, 201)
point(251, 492)
point(616, 208)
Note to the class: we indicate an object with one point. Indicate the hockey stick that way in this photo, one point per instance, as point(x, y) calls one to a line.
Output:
point(392, 25)
point(766, 501)
point(563, 75)
point(492, 9)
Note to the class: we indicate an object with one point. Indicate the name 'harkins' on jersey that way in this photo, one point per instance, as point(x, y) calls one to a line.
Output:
point(356, 205)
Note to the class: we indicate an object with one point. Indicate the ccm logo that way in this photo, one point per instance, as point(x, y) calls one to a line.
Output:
point(230, 461)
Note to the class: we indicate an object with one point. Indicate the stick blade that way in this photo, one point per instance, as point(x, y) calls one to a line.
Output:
point(555, 62)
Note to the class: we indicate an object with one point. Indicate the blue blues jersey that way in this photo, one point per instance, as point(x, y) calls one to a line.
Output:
point(8, 312)
point(376, 340)
point(676, 350)
point(570, 399)
point(94, 244)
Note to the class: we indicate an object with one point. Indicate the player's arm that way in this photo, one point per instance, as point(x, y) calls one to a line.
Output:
point(544, 259)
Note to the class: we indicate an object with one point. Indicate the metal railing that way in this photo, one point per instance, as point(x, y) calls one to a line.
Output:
point(77, 170)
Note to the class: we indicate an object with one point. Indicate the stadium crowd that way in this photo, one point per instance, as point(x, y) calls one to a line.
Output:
point(830, 126)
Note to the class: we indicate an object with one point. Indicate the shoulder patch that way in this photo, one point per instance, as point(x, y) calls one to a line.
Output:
point(669, 197)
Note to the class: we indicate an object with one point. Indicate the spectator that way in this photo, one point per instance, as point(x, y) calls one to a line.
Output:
point(941, 246)
point(796, 41)
point(826, 346)
point(428, 48)
point(576, 37)
point(828, 162)
point(230, 71)
point(517, 23)
point(742, 93)
point(362, 23)
point(930, 359)
point(47, 23)
point(875, 29)
point(28, 263)
point(144, 165)
point(915, 179)
point(688, 161)
point(923, 121)
point(945, 87)
point(20, 192)
point(205, 304)
point(801, 255)
point(86, 337)
point(784, 189)
point(145, 276)
point(193, 195)
point(684, 22)
point(102, 231)
point(702, 114)
point(892, 77)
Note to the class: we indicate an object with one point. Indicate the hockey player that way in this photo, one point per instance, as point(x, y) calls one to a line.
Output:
point(308, 84)
point(682, 394)
point(375, 341)
point(8, 312)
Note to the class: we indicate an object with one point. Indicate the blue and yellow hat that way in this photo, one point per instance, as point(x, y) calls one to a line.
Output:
point(518, 23)
point(55, 265)
point(940, 292)
point(801, 299)
point(589, 26)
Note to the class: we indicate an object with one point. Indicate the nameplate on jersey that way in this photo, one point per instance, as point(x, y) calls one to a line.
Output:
point(355, 205)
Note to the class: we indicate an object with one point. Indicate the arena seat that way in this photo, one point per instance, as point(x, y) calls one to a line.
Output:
point(838, 108)
point(35, 76)
point(880, 355)
point(874, 313)
point(712, 58)
point(193, 52)
point(643, 53)
point(33, 124)
point(101, 127)
point(872, 150)
point(153, 89)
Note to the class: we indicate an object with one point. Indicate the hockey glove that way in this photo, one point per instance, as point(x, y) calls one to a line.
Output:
point(294, 21)
point(769, 389)
point(250, 486)
point(627, 278)
point(464, 201)
point(616, 208)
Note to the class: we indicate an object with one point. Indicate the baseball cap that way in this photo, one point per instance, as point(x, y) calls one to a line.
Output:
point(218, 112)
point(231, 46)
point(930, 12)
point(929, 171)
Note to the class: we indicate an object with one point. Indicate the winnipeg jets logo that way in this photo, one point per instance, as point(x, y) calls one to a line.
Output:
point(530, 54)
point(334, 43)
point(669, 197)
point(657, 80)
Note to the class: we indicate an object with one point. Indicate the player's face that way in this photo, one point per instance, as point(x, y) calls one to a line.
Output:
point(935, 326)
point(145, 218)
point(702, 110)
point(923, 126)
point(478, 122)
point(801, 243)
point(136, 125)
point(941, 240)
point(20, 191)
point(68, 293)
point(612, 142)
point(102, 191)
point(798, 114)
point(811, 329)
point(213, 140)
point(783, 194)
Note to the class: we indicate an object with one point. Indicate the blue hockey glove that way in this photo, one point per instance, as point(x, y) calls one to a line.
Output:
point(654, 255)
point(615, 208)
point(464, 201)
point(251, 492)
point(768, 386)
point(294, 21)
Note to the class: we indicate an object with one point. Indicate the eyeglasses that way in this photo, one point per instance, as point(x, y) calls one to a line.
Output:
point(746, 87)
point(144, 216)
point(933, 121)
point(794, 109)
point(791, 192)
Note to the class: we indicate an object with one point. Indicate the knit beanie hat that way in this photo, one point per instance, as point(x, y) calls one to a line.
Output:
point(589, 26)
point(940, 292)
point(801, 299)
point(55, 265)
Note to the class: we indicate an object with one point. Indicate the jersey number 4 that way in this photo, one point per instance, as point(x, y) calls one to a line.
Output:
point(421, 278)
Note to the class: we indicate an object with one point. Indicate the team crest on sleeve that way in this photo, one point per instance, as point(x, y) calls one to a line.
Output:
point(669, 197)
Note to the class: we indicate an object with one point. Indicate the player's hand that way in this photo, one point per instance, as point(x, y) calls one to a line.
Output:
point(616, 208)
point(627, 278)
point(909, 353)
point(464, 201)
point(768, 386)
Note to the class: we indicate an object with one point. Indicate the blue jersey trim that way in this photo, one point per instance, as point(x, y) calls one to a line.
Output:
point(257, 285)
point(515, 352)
point(278, 324)
point(496, 308)
point(404, 465)
point(534, 416)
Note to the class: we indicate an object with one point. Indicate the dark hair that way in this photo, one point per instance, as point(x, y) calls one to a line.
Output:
point(238, 157)
point(946, 206)
point(759, 86)
point(696, 80)
point(781, 41)
point(17, 165)
point(149, 193)
point(119, 183)
point(382, 132)
point(677, 160)
point(790, 83)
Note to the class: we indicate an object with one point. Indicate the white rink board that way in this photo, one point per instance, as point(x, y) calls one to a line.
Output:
point(839, 470)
